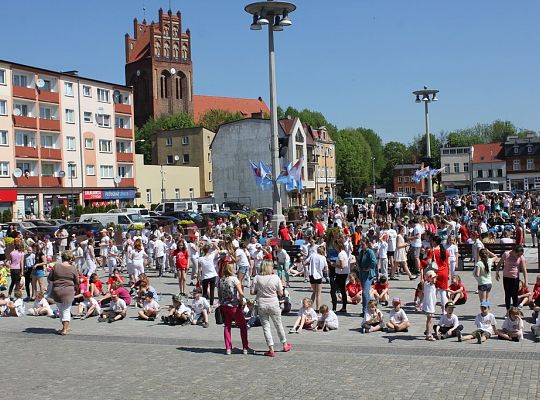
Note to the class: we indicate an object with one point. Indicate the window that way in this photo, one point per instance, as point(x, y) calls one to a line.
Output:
point(516, 150)
point(456, 168)
point(210, 177)
point(209, 157)
point(3, 107)
point(105, 146)
point(25, 139)
point(87, 117)
point(70, 116)
point(184, 52)
point(104, 120)
point(68, 89)
point(499, 173)
point(400, 179)
point(516, 165)
point(123, 146)
point(70, 143)
point(72, 170)
point(490, 173)
point(186, 158)
point(185, 140)
point(170, 159)
point(3, 138)
point(47, 169)
point(124, 171)
point(121, 122)
point(406, 178)
point(2, 76)
point(466, 167)
point(169, 141)
point(45, 112)
point(87, 91)
point(89, 143)
point(530, 164)
point(529, 148)
point(20, 80)
point(4, 168)
point(23, 109)
point(177, 194)
point(90, 170)
point(47, 85)
point(25, 167)
point(148, 195)
point(106, 171)
point(480, 173)
point(103, 95)
point(47, 141)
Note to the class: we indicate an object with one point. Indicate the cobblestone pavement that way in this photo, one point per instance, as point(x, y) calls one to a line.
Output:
point(135, 359)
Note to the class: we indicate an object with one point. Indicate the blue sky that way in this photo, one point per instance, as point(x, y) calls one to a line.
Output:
point(356, 61)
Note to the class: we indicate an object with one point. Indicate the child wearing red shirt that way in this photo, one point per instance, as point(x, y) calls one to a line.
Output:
point(353, 289)
point(524, 294)
point(457, 292)
point(380, 291)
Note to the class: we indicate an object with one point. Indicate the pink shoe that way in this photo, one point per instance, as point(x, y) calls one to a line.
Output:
point(287, 347)
point(270, 354)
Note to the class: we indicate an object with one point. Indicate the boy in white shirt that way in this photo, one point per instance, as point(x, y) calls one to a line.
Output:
point(15, 308)
point(382, 255)
point(448, 325)
point(398, 319)
point(150, 307)
point(485, 323)
point(118, 309)
point(112, 255)
point(89, 307)
point(179, 313)
point(327, 321)
point(201, 308)
point(41, 306)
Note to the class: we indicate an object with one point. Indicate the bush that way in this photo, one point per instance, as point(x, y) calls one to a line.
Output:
point(7, 216)
point(9, 241)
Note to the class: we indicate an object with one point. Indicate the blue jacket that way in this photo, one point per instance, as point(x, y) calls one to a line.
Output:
point(368, 264)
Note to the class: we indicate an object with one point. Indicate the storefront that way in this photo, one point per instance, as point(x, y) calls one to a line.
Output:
point(27, 206)
point(7, 198)
point(118, 197)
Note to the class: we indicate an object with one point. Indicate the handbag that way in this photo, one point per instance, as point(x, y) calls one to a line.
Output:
point(218, 315)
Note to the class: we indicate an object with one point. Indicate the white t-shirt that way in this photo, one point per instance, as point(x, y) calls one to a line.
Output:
point(182, 308)
point(331, 318)
point(392, 236)
point(417, 232)
point(398, 317)
point(198, 305)
point(243, 260)
point(207, 266)
point(119, 305)
point(251, 248)
point(309, 313)
point(151, 305)
point(159, 248)
point(430, 298)
point(452, 251)
point(43, 303)
point(376, 316)
point(382, 251)
point(485, 323)
point(513, 326)
point(283, 256)
point(90, 303)
point(317, 264)
point(449, 322)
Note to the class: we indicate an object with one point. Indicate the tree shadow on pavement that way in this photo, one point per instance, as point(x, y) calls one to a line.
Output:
point(41, 331)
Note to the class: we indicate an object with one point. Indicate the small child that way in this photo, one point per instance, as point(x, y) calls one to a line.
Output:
point(485, 323)
point(524, 295)
point(118, 309)
point(419, 296)
point(3, 304)
point(398, 319)
point(201, 308)
point(457, 292)
point(179, 313)
point(41, 306)
point(512, 328)
point(380, 291)
point(382, 257)
point(89, 307)
point(15, 308)
point(327, 321)
point(307, 317)
point(429, 302)
point(150, 307)
point(251, 315)
point(4, 272)
point(373, 320)
point(448, 324)
point(112, 256)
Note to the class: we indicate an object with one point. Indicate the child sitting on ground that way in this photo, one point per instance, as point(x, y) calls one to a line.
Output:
point(250, 314)
point(150, 307)
point(89, 307)
point(398, 319)
point(380, 291)
point(457, 292)
point(327, 321)
point(307, 317)
point(179, 313)
point(512, 328)
point(353, 289)
point(41, 306)
point(200, 307)
point(3, 304)
point(373, 320)
point(15, 308)
point(448, 325)
point(524, 295)
point(118, 309)
point(485, 323)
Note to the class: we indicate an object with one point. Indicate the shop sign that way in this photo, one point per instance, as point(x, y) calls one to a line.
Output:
point(8, 195)
point(93, 194)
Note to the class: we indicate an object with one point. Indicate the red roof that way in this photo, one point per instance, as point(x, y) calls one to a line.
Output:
point(488, 152)
point(203, 104)
point(287, 125)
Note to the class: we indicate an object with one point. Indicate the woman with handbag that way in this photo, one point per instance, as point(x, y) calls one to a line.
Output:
point(230, 295)
point(437, 260)
point(267, 287)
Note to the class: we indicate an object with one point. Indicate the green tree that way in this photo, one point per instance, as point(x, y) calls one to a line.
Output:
point(214, 118)
point(163, 123)
point(394, 153)
point(314, 119)
point(353, 160)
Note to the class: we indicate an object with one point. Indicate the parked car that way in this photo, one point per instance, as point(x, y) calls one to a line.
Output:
point(235, 207)
point(83, 228)
point(214, 216)
point(186, 216)
point(161, 220)
point(43, 230)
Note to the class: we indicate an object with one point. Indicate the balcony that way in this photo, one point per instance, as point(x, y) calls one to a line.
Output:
point(49, 97)
point(24, 92)
point(28, 181)
point(26, 152)
point(24, 122)
point(127, 182)
point(122, 108)
point(124, 157)
point(51, 181)
point(51, 154)
point(49, 124)
point(124, 133)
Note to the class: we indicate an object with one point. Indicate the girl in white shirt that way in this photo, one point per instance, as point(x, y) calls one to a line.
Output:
point(317, 266)
point(453, 255)
point(41, 306)
point(307, 317)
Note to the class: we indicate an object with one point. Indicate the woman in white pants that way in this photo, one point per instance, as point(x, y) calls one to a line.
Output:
point(138, 256)
point(267, 287)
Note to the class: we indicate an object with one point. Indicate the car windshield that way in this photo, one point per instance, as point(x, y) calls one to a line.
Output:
point(136, 217)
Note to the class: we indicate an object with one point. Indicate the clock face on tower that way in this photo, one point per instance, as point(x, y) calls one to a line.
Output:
point(159, 67)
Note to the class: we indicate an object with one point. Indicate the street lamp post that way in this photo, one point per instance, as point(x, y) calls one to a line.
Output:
point(71, 165)
point(425, 93)
point(326, 188)
point(275, 14)
point(162, 183)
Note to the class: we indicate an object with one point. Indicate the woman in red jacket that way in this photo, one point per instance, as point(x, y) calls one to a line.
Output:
point(181, 256)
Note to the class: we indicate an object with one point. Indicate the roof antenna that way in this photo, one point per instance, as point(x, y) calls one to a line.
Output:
point(144, 11)
point(170, 5)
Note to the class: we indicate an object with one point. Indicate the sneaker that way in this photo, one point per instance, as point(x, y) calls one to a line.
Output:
point(164, 319)
point(228, 352)
point(151, 319)
point(537, 339)
point(342, 311)
point(478, 338)
point(430, 338)
point(109, 320)
point(270, 353)
point(288, 347)
point(291, 331)
point(390, 330)
point(515, 339)
point(246, 351)
point(459, 338)
point(205, 325)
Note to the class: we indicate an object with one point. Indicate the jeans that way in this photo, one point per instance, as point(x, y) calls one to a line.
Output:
point(283, 269)
point(28, 281)
point(339, 284)
point(265, 314)
point(15, 280)
point(511, 287)
point(366, 286)
point(231, 314)
point(212, 283)
point(64, 311)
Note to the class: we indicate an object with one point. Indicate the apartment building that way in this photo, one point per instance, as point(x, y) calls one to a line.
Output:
point(522, 156)
point(457, 167)
point(64, 140)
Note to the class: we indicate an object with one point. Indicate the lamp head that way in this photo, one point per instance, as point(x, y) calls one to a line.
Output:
point(417, 99)
point(255, 25)
point(277, 24)
point(262, 20)
point(285, 21)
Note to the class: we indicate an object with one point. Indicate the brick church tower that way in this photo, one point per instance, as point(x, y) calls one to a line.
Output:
point(158, 66)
